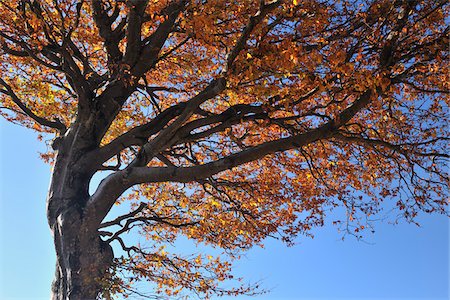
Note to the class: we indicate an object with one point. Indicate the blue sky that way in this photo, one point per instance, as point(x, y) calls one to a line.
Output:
point(399, 262)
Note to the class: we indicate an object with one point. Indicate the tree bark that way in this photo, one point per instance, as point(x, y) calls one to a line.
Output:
point(82, 258)
point(82, 261)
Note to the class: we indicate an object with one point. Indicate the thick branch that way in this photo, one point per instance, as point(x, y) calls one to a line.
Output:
point(134, 26)
point(153, 44)
point(153, 147)
point(186, 174)
point(136, 136)
point(115, 184)
point(111, 37)
point(233, 115)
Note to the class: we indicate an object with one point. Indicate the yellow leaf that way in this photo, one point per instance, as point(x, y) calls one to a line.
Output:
point(215, 203)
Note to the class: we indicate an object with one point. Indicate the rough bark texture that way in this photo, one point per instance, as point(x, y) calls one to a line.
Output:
point(82, 257)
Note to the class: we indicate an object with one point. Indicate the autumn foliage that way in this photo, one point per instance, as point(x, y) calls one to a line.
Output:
point(228, 122)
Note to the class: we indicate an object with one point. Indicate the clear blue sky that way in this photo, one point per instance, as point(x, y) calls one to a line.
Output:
point(402, 262)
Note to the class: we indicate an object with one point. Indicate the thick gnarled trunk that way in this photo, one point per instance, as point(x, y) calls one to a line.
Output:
point(82, 260)
point(82, 257)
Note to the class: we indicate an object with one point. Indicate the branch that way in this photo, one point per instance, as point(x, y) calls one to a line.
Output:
point(252, 22)
point(174, 48)
point(136, 136)
point(130, 220)
point(32, 53)
point(64, 63)
point(424, 90)
point(57, 124)
point(134, 26)
point(149, 53)
point(233, 115)
point(112, 168)
point(187, 174)
point(150, 149)
point(149, 56)
point(118, 220)
point(111, 37)
point(117, 183)
point(395, 147)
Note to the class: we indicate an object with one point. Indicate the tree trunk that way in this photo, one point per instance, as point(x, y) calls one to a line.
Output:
point(82, 257)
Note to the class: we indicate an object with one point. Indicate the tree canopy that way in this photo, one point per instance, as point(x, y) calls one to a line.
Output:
point(231, 121)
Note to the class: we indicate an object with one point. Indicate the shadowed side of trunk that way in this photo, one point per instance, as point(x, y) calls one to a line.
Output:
point(82, 257)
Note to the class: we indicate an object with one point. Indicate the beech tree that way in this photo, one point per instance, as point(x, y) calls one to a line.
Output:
point(226, 122)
